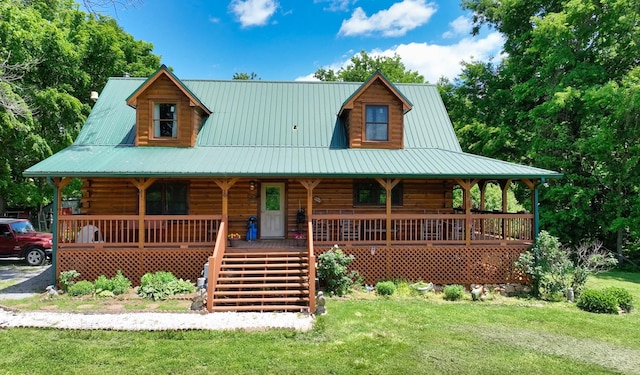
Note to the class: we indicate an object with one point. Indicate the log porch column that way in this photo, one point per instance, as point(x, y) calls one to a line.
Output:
point(388, 186)
point(466, 187)
point(225, 184)
point(142, 184)
point(533, 186)
point(310, 185)
point(504, 186)
point(58, 184)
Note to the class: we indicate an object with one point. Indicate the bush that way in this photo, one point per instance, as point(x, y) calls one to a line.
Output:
point(453, 292)
point(623, 298)
point(160, 285)
point(598, 301)
point(118, 284)
point(385, 288)
point(81, 288)
point(332, 271)
point(66, 279)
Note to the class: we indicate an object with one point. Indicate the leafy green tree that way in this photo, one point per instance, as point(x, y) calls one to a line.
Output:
point(245, 76)
point(565, 99)
point(363, 65)
point(52, 55)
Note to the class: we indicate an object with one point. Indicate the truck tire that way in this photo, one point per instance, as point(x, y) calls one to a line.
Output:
point(35, 256)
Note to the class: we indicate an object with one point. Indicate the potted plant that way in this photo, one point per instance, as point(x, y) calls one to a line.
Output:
point(234, 238)
point(422, 287)
point(300, 239)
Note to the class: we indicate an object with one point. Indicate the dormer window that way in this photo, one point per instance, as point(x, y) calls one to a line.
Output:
point(165, 120)
point(377, 123)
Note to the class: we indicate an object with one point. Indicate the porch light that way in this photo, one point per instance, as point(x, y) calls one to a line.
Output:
point(252, 185)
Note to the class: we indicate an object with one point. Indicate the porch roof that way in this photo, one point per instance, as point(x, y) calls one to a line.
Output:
point(252, 161)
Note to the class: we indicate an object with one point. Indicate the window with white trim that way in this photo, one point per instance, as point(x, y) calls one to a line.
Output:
point(165, 120)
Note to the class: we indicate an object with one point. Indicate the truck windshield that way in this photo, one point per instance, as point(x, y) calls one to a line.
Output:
point(22, 227)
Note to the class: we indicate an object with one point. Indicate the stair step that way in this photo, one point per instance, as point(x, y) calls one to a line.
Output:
point(264, 265)
point(260, 300)
point(296, 308)
point(258, 292)
point(264, 253)
point(265, 259)
point(264, 272)
point(263, 278)
point(262, 285)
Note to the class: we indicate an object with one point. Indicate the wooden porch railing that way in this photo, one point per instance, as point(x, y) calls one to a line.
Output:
point(312, 270)
point(215, 263)
point(123, 230)
point(411, 229)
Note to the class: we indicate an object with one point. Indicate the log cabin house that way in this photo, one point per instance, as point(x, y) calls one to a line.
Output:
point(171, 168)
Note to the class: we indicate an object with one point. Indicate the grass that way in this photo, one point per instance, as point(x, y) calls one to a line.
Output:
point(405, 334)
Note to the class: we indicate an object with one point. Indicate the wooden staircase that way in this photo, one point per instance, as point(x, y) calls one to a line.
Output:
point(263, 280)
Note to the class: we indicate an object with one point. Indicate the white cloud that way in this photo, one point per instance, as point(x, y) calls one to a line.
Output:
point(459, 26)
point(336, 5)
point(253, 12)
point(395, 21)
point(435, 61)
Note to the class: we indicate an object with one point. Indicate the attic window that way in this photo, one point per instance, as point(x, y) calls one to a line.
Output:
point(377, 123)
point(165, 122)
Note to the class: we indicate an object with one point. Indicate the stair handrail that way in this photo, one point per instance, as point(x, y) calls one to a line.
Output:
point(312, 269)
point(215, 263)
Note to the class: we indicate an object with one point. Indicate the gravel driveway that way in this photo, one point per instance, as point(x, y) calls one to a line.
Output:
point(20, 281)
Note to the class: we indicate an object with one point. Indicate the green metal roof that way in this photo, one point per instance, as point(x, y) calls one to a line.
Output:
point(261, 128)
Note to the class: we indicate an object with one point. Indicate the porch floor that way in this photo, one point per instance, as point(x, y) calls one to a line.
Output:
point(278, 244)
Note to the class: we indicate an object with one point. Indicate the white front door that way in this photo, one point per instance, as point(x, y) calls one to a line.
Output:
point(272, 214)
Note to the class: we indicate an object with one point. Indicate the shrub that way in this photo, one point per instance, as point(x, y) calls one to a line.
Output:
point(597, 301)
point(332, 271)
point(160, 285)
point(385, 288)
point(66, 279)
point(102, 283)
point(624, 299)
point(453, 292)
point(81, 288)
point(548, 266)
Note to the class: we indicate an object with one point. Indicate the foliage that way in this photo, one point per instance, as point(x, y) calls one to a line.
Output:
point(624, 299)
point(333, 271)
point(493, 198)
point(66, 279)
point(565, 97)
point(245, 76)
point(363, 65)
point(118, 284)
point(51, 56)
point(548, 266)
point(453, 292)
point(604, 301)
point(81, 288)
point(590, 258)
point(385, 288)
point(160, 285)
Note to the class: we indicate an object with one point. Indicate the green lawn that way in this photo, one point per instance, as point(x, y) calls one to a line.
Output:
point(361, 336)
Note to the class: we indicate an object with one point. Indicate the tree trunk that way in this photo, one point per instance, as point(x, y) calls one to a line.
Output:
point(619, 245)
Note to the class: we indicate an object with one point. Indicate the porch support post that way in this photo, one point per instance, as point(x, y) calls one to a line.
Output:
point(225, 184)
point(466, 186)
point(142, 184)
point(310, 185)
point(58, 184)
point(504, 186)
point(533, 186)
point(388, 186)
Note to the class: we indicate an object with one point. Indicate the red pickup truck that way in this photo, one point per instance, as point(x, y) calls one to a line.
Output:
point(18, 238)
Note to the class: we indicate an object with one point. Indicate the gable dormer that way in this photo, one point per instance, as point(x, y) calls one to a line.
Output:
point(167, 112)
point(374, 114)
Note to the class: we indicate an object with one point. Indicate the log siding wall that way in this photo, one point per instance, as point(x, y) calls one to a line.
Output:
point(109, 196)
point(376, 94)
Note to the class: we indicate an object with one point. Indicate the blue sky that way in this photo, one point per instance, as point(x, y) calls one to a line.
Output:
point(291, 39)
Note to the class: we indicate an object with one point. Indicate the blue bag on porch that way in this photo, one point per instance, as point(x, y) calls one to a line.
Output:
point(252, 228)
